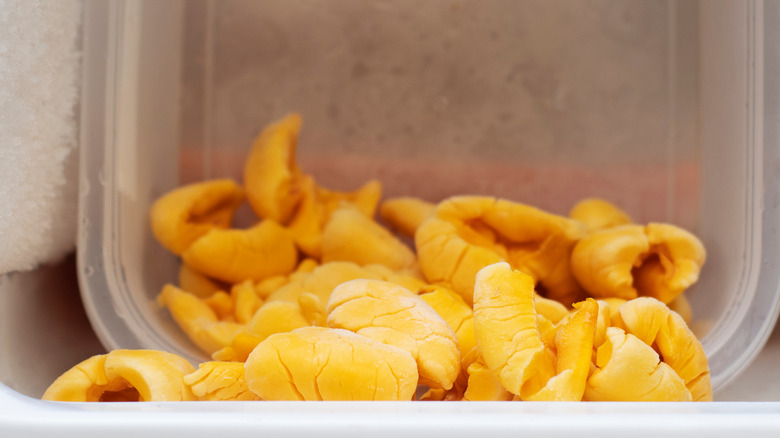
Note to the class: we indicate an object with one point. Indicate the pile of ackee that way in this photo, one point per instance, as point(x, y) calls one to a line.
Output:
point(318, 301)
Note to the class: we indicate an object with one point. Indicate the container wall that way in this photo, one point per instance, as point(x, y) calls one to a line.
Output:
point(542, 102)
point(647, 104)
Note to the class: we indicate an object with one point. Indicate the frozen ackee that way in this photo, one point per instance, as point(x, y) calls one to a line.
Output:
point(322, 299)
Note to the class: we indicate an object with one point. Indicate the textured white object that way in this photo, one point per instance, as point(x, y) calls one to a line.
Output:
point(39, 84)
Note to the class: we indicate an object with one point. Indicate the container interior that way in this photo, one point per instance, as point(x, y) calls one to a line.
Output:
point(651, 105)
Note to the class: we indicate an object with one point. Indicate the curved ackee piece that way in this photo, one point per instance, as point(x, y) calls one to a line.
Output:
point(657, 260)
point(124, 375)
point(656, 325)
point(598, 214)
point(468, 233)
point(351, 236)
point(262, 251)
point(628, 369)
point(277, 189)
point(183, 215)
point(271, 175)
point(220, 381)
point(197, 320)
point(391, 314)
point(318, 363)
point(406, 214)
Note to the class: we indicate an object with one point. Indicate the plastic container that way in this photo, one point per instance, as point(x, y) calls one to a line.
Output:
point(667, 108)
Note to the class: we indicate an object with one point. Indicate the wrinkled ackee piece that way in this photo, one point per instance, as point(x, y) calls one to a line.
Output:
point(505, 324)
point(597, 214)
point(318, 363)
point(468, 233)
point(351, 236)
point(197, 320)
point(259, 252)
point(657, 260)
point(391, 314)
point(627, 369)
point(124, 375)
point(406, 214)
point(656, 325)
point(184, 214)
point(220, 381)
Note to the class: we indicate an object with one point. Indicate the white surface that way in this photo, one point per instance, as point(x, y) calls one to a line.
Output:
point(39, 84)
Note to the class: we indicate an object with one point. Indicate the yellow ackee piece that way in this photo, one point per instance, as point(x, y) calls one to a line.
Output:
point(410, 278)
point(184, 214)
point(318, 363)
point(245, 301)
point(220, 381)
point(263, 251)
point(614, 304)
point(320, 282)
point(277, 189)
point(317, 206)
point(468, 233)
point(222, 305)
point(597, 214)
point(391, 314)
point(440, 394)
point(658, 260)
point(483, 385)
point(351, 236)
point(271, 175)
point(239, 349)
point(627, 369)
point(406, 214)
point(572, 357)
point(505, 324)
point(604, 321)
point(276, 317)
point(197, 320)
point(266, 287)
point(196, 283)
point(306, 265)
point(458, 315)
point(550, 309)
point(655, 324)
point(124, 375)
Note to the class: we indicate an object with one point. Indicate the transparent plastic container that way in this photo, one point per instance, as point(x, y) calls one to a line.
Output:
point(668, 109)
